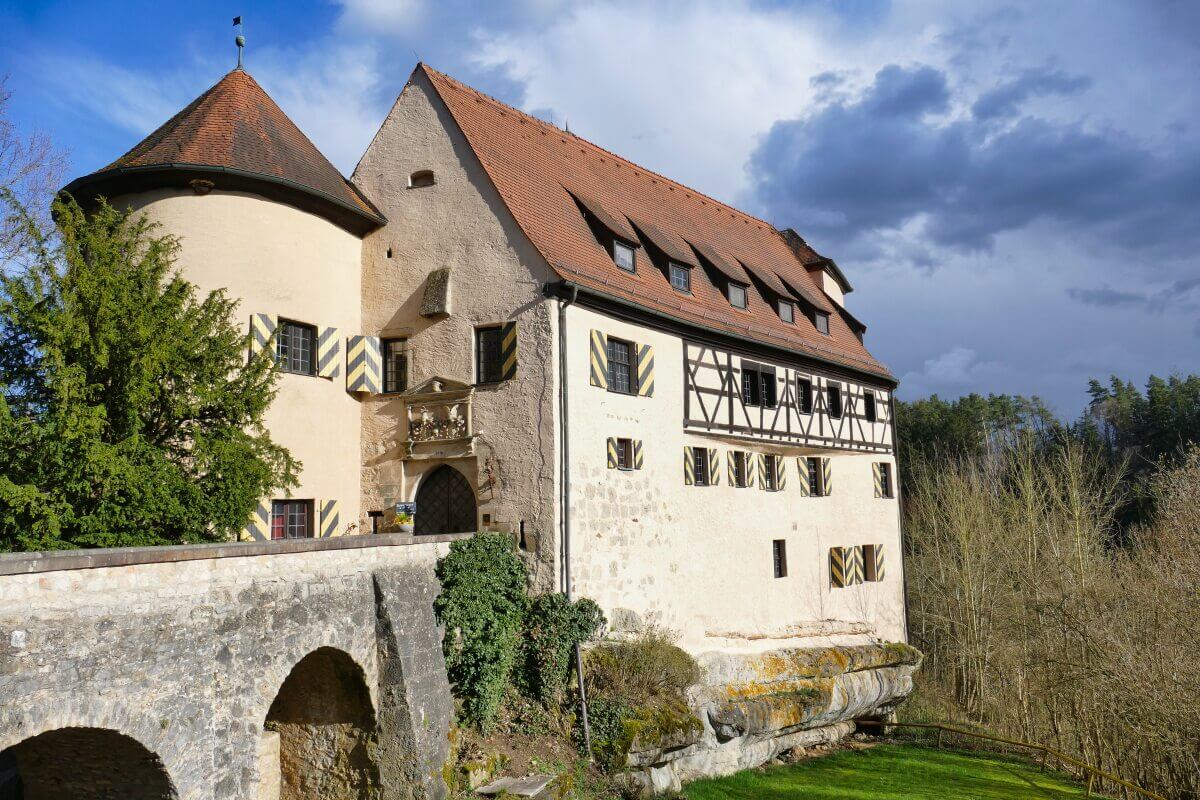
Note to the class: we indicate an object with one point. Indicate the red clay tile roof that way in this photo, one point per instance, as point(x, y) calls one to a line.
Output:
point(236, 125)
point(537, 168)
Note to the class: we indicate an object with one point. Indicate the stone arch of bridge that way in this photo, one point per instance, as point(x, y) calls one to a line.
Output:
point(76, 763)
point(320, 737)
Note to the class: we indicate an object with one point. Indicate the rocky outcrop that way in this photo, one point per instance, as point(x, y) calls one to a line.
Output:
point(753, 707)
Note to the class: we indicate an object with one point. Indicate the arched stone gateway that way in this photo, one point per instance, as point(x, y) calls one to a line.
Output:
point(445, 503)
point(320, 737)
point(82, 764)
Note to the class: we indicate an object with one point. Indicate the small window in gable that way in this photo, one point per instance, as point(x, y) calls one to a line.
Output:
point(737, 295)
point(421, 178)
point(623, 255)
point(681, 278)
point(821, 320)
point(787, 311)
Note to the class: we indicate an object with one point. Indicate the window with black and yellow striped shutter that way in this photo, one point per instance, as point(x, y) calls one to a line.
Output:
point(780, 474)
point(645, 370)
point(837, 567)
point(262, 332)
point(363, 364)
point(598, 359)
point(508, 350)
point(802, 479)
point(826, 477)
point(714, 467)
point(854, 569)
point(329, 352)
point(258, 528)
point(612, 452)
point(689, 466)
point(877, 475)
point(328, 515)
point(638, 461)
point(879, 562)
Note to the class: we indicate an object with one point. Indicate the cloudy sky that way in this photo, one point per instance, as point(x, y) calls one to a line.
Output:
point(1013, 188)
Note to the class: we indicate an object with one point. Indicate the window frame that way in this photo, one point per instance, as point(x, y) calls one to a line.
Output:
point(740, 469)
point(770, 472)
point(388, 368)
point(700, 466)
point(870, 412)
point(816, 482)
point(804, 395)
point(779, 558)
point(612, 251)
point(821, 322)
point(284, 325)
point(480, 330)
point(885, 481)
point(745, 304)
point(673, 268)
point(868, 556)
point(764, 383)
point(624, 446)
point(780, 305)
point(630, 364)
point(287, 505)
point(832, 392)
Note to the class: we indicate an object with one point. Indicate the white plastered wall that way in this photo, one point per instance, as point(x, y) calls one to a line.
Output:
point(277, 259)
point(699, 559)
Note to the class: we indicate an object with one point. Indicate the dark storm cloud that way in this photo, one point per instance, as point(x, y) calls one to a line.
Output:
point(889, 157)
point(1006, 99)
point(1182, 294)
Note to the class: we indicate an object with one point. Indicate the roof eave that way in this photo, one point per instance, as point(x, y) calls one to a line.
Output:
point(124, 180)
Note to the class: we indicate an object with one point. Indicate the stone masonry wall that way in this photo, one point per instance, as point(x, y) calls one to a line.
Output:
point(186, 657)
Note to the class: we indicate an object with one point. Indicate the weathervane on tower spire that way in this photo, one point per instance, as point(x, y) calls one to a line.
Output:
point(239, 40)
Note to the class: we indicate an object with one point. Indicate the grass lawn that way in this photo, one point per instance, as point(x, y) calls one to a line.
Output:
point(891, 772)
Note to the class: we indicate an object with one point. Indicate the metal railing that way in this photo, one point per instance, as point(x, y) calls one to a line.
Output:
point(1047, 752)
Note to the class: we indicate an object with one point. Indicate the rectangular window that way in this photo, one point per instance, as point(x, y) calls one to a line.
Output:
point(395, 365)
point(488, 368)
point(294, 347)
point(739, 468)
point(779, 553)
point(291, 519)
point(700, 464)
point(751, 387)
point(623, 256)
point(737, 295)
point(885, 480)
point(621, 375)
point(787, 311)
point(870, 574)
point(869, 406)
point(681, 278)
point(821, 320)
point(767, 379)
point(770, 472)
point(624, 454)
point(835, 401)
point(814, 477)
point(804, 389)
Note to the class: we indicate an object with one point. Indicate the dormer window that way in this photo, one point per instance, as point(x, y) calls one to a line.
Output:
point(737, 295)
point(681, 278)
point(787, 311)
point(421, 178)
point(623, 256)
point(821, 320)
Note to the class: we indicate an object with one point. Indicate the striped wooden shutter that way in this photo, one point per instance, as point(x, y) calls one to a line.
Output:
point(508, 351)
point(362, 364)
point(598, 355)
point(826, 477)
point(837, 567)
point(731, 471)
point(328, 513)
point(645, 370)
point(259, 526)
point(637, 454)
point(802, 476)
point(262, 329)
point(329, 353)
point(689, 467)
point(750, 468)
point(760, 466)
point(780, 474)
point(855, 567)
point(878, 562)
point(877, 474)
point(612, 452)
point(714, 467)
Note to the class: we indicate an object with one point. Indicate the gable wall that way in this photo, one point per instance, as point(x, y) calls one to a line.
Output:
point(496, 275)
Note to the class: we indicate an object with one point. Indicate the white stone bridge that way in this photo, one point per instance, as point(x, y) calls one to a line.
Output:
point(280, 670)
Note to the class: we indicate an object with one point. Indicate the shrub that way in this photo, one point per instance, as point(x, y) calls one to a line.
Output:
point(553, 627)
point(481, 604)
point(639, 671)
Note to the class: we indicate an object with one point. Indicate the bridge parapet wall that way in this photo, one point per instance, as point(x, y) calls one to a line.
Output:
point(184, 649)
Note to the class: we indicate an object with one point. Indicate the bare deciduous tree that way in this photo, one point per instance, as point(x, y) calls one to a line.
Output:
point(31, 170)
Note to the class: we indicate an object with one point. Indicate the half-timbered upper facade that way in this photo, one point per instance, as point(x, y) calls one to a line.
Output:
point(495, 324)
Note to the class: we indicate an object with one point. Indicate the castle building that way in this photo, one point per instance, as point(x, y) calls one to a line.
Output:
point(495, 324)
